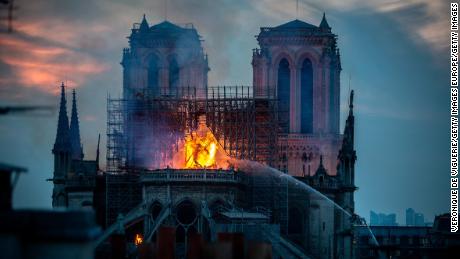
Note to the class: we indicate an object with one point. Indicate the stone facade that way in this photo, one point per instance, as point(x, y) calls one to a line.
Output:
point(301, 62)
point(312, 87)
point(175, 192)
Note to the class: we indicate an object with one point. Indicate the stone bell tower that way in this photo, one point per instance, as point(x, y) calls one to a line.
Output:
point(163, 59)
point(300, 63)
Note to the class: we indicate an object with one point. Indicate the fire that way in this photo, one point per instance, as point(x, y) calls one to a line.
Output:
point(200, 149)
point(138, 240)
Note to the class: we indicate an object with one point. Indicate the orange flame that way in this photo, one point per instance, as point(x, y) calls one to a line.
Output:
point(138, 240)
point(200, 150)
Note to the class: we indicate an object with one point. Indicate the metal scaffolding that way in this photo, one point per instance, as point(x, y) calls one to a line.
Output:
point(143, 129)
point(245, 125)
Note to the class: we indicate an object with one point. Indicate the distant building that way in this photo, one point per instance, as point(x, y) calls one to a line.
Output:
point(419, 219)
point(414, 218)
point(410, 217)
point(407, 241)
point(441, 236)
point(393, 241)
point(381, 219)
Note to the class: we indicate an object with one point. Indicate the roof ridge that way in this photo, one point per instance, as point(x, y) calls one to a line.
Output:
point(295, 24)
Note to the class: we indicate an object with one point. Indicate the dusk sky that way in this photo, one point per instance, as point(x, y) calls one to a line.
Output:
point(395, 52)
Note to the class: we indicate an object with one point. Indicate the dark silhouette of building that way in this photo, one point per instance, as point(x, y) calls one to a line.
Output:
point(381, 219)
point(414, 218)
point(408, 241)
point(74, 178)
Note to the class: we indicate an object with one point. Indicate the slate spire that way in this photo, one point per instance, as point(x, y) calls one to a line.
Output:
point(349, 134)
point(62, 142)
point(347, 153)
point(144, 25)
point(75, 141)
point(324, 25)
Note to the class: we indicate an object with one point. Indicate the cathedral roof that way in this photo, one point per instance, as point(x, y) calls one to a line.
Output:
point(166, 26)
point(296, 24)
point(294, 29)
point(165, 30)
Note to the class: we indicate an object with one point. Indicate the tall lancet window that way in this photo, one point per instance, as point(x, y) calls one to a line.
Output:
point(306, 95)
point(284, 85)
point(173, 75)
point(153, 82)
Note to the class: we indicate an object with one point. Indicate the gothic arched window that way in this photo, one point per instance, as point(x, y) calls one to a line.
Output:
point(306, 95)
point(173, 75)
point(152, 75)
point(283, 91)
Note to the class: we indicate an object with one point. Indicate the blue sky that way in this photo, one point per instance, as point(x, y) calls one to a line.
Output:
point(395, 52)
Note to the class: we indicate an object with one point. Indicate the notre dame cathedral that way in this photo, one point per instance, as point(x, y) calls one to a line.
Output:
point(288, 120)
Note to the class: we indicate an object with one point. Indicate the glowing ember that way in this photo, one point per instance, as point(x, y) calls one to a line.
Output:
point(138, 240)
point(200, 149)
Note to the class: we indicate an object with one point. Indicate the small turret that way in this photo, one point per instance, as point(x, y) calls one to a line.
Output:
point(345, 199)
point(347, 153)
point(324, 25)
point(321, 169)
point(144, 25)
point(349, 134)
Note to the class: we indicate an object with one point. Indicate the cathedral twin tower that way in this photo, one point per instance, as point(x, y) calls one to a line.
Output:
point(297, 62)
point(302, 61)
